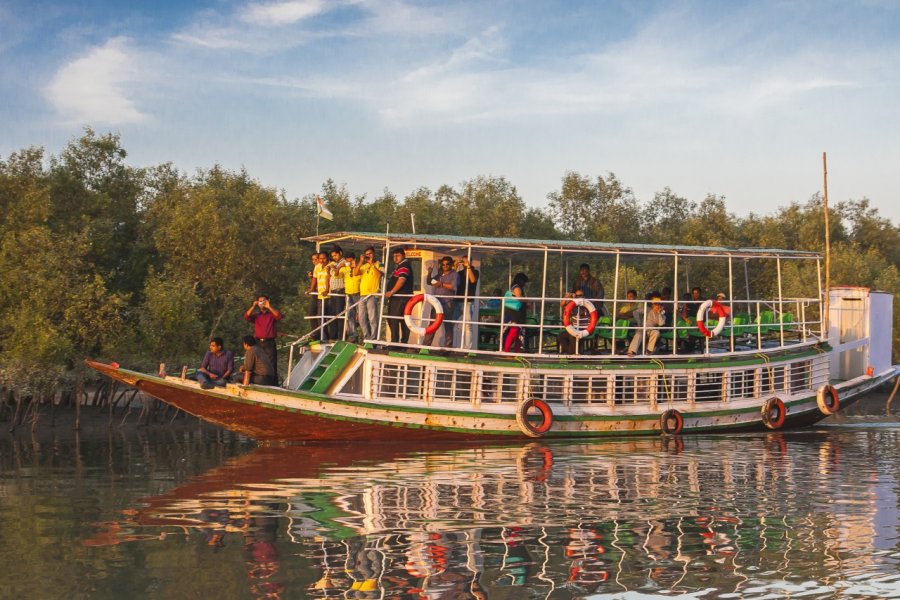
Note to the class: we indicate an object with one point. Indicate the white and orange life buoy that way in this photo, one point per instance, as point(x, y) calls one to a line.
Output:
point(713, 307)
point(529, 428)
point(828, 400)
point(575, 332)
point(438, 314)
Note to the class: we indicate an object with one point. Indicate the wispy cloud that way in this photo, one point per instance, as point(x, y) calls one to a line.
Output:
point(282, 25)
point(93, 88)
point(281, 13)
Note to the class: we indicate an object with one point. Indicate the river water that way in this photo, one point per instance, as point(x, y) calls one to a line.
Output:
point(185, 514)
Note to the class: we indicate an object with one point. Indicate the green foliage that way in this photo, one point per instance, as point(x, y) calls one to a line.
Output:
point(101, 259)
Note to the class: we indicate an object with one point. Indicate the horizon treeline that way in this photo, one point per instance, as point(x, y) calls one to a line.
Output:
point(144, 264)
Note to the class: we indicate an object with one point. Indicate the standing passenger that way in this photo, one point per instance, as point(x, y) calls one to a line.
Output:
point(443, 285)
point(466, 289)
point(336, 300)
point(265, 328)
point(400, 288)
point(370, 271)
point(322, 280)
point(312, 309)
point(351, 288)
point(514, 313)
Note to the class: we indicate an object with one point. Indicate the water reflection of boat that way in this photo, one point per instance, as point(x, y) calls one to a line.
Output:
point(769, 360)
point(577, 519)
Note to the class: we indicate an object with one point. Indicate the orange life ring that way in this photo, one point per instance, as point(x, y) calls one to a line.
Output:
point(671, 422)
point(828, 400)
point(773, 413)
point(528, 428)
point(567, 318)
point(438, 314)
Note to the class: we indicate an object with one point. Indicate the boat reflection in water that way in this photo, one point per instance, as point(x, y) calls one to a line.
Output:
point(776, 513)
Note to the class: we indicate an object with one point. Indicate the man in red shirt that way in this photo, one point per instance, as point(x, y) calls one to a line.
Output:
point(264, 317)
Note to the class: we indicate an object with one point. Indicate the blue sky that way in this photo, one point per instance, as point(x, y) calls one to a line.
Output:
point(732, 98)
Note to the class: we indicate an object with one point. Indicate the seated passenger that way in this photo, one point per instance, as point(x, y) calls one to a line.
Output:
point(257, 367)
point(653, 321)
point(628, 309)
point(217, 365)
point(689, 310)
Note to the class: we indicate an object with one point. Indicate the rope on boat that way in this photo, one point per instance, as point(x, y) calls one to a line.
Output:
point(662, 367)
point(893, 393)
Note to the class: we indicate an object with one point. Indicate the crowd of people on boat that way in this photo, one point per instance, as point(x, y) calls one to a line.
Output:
point(346, 295)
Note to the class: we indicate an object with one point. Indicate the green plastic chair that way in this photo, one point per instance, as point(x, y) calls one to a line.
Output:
point(605, 328)
point(765, 320)
point(682, 326)
point(741, 325)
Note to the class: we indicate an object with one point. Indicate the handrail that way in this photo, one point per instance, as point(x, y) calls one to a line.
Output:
point(757, 336)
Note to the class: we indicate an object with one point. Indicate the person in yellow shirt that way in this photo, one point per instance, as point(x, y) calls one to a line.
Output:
point(322, 277)
point(352, 280)
point(370, 272)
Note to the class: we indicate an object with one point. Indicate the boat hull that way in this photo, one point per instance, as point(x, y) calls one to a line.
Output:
point(273, 414)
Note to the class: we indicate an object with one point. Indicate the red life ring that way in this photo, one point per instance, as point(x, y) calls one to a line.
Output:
point(828, 400)
point(713, 307)
point(528, 428)
point(438, 314)
point(671, 422)
point(773, 413)
point(567, 318)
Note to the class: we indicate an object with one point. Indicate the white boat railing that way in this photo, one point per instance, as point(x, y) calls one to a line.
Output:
point(767, 325)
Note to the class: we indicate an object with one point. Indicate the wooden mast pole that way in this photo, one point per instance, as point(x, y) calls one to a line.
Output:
point(827, 245)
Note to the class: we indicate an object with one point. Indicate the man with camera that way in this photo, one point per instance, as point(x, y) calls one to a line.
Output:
point(264, 317)
point(370, 272)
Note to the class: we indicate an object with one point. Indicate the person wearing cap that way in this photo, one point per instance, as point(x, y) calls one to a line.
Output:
point(399, 289)
point(654, 320)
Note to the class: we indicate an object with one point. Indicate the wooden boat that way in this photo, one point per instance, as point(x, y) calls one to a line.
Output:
point(753, 360)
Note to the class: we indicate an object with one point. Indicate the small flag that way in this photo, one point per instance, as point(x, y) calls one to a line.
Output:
point(322, 211)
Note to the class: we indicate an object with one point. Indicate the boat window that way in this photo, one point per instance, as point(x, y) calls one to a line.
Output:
point(400, 382)
point(453, 385)
point(549, 388)
point(742, 383)
point(672, 388)
point(588, 389)
point(489, 387)
point(511, 388)
point(709, 387)
point(632, 389)
point(801, 376)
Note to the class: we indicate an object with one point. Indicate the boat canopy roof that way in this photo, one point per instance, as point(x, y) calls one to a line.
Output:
point(501, 245)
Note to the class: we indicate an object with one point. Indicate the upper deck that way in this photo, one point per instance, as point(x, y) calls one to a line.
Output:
point(771, 297)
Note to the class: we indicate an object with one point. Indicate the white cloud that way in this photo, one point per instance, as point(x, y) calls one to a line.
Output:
point(93, 88)
point(281, 13)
